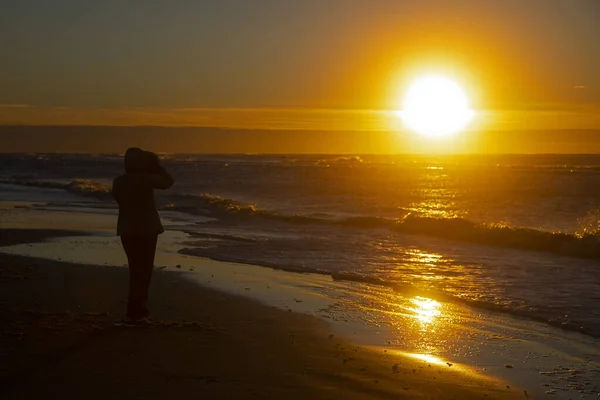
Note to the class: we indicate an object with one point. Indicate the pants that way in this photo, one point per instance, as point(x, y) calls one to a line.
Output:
point(140, 252)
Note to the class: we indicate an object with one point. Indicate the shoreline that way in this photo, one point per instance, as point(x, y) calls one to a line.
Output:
point(477, 343)
point(59, 324)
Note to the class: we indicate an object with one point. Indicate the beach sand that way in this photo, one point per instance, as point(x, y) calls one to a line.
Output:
point(59, 340)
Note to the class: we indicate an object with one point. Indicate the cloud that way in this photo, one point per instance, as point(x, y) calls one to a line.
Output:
point(532, 116)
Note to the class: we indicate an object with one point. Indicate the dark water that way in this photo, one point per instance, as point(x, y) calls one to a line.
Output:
point(512, 232)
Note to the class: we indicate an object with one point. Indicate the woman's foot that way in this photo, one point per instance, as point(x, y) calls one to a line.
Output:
point(133, 322)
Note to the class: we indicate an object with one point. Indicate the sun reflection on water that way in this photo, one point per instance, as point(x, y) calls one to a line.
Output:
point(427, 357)
point(432, 208)
point(426, 310)
point(422, 257)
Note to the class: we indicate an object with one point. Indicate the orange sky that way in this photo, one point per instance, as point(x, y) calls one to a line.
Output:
point(299, 64)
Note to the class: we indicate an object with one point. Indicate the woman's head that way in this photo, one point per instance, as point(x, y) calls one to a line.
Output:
point(136, 161)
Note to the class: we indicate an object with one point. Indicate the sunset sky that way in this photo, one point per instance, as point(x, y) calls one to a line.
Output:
point(296, 64)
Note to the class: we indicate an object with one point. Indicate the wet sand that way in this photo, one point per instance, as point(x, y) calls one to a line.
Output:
point(58, 339)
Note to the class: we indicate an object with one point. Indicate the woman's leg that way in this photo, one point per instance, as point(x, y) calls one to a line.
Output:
point(145, 275)
point(140, 252)
point(135, 256)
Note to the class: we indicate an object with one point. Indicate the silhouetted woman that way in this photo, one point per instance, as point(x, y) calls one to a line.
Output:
point(139, 223)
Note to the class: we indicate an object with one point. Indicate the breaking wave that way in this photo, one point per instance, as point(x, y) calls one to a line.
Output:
point(585, 245)
point(84, 187)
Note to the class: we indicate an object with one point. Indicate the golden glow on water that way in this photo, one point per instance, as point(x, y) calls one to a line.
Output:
point(433, 209)
point(437, 200)
point(423, 257)
point(427, 357)
point(433, 334)
point(425, 310)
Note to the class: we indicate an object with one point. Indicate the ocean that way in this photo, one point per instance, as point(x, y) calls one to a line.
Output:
point(512, 233)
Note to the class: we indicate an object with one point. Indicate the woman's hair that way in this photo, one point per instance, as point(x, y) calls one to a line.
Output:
point(135, 161)
point(138, 161)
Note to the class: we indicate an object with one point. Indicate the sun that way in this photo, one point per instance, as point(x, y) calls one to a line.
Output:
point(436, 106)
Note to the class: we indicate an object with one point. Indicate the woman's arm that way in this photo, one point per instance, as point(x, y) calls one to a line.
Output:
point(164, 180)
point(157, 177)
point(161, 179)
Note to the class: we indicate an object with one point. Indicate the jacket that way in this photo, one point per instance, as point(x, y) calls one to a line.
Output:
point(134, 192)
